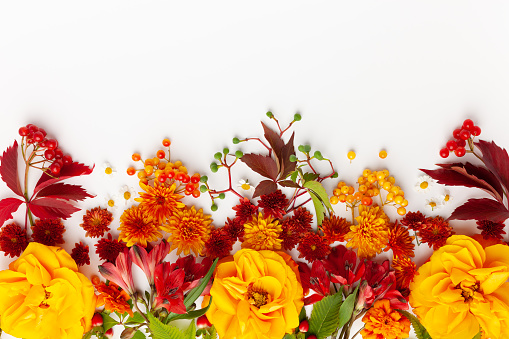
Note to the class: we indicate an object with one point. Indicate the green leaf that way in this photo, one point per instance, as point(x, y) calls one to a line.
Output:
point(87, 335)
point(190, 332)
point(346, 309)
point(212, 333)
point(196, 292)
point(319, 209)
point(191, 314)
point(318, 189)
point(324, 317)
point(137, 318)
point(478, 335)
point(289, 336)
point(310, 176)
point(108, 322)
point(420, 331)
point(162, 331)
point(294, 175)
point(139, 335)
point(302, 314)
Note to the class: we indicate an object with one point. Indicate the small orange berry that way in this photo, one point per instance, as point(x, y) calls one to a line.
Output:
point(142, 174)
point(345, 189)
point(160, 154)
point(351, 155)
point(350, 199)
point(390, 196)
point(162, 165)
point(131, 171)
point(358, 196)
point(361, 180)
point(155, 161)
point(177, 164)
point(149, 169)
point(404, 203)
point(136, 157)
point(336, 192)
point(382, 154)
point(166, 142)
point(366, 172)
point(363, 188)
point(196, 193)
point(334, 200)
point(148, 162)
point(367, 201)
point(398, 199)
point(387, 186)
point(341, 184)
point(342, 198)
point(401, 211)
point(351, 190)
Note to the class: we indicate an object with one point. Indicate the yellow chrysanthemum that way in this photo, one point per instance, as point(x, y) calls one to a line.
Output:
point(189, 230)
point(371, 233)
point(136, 226)
point(159, 201)
point(262, 234)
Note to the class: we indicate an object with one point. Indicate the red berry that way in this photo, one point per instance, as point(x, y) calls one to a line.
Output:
point(444, 152)
point(468, 124)
point(97, 320)
point(55, 168)
point(196, 193)
point(461, 142)
point(131, 171)
point(23, 131)
point(195, 178)
point(32, 128)
point(460, 151)
point(67, 159)
point(160, 154)
point(190, 187)
point(166, 142)
point(43, 143)
point(304, 326)
point(59, 162)
point(186, 179)
point(179, 176)
point(456, 133)
point(162, 178)
point(451, 145)
point(30, 141)
point(312, 336)
point(49, 154)
point(464, 134)
point(52, 144)
point(170, 174)
point(476, 131)
point(42, 131)
point(109, 333)
point(58, 153)
point(203, 322)
point(38, 136)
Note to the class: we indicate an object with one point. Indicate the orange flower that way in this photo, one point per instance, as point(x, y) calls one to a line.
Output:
point(335, 228)
point(136, 226)
point(113, 298)
point(159, 201)
point(96, 221)
point(189, 230)
point(400, 241)
point(404, 270)
point(371, 233)
point(262, 233)
point(381, 322)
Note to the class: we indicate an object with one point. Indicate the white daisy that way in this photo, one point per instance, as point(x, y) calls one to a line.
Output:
point(108, 171)
point(433, 203)
point(446, 198)
point(111, 203)
point(127, 194)
point(245, 186)
point(424, 183)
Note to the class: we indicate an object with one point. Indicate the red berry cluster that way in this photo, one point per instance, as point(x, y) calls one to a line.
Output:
point(46, 148)
point(461, 135)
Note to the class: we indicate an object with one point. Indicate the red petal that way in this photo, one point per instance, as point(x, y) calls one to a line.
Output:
point(9, 169)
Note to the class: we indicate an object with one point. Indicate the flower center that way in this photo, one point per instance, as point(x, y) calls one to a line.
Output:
point(468, 289)
point(246, 186)
point(44, 303)
point(257, 297)
point(108, 170)
point(447, 197)
point(424, 185)
point(433, 204)
point(127, 195)
point(14, 240)
point(111, 203)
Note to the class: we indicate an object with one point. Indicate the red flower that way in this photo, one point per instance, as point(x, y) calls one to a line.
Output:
point(490, 229)
point(316, 279)
point(48, 231)
point(435, 232)
point(120, 273)
point(234, 228)
point(193, 271)
point(343, 267)
point(219, 244)
point(273, 204)
point(13, 240)
point(245, 210)
point(302, 219)
point(109, 248)
point(96, 221)
point(169, 288)
point(313, 247)
point(414, 220)
point(80, 254)
point(335, 228)
point(400, 241)
point(148, 261)
point(289, 234)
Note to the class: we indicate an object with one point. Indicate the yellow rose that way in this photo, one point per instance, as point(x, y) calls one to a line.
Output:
point(44, 295)
point(256, 294)
point(463, 287)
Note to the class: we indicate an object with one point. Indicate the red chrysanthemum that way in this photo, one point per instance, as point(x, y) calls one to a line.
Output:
point(13, 240)
point(400, 241)
point(313, 247)
point(245, 210)
point(219, 245)
point(109, 248)
point(273, 204)
point(96, 221)
point(80, 254)
point(48, 232)
point(490, 229)
point(405, 270)
point(335, 228)
point(435, 232)
point(290, 234)
point(414, 220)
point(234, 228)
point(302, 219)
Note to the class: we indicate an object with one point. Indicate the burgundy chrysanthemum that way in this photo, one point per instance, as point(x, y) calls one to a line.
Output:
point(13, 240)
point(273, 204)
point(302, 219)
point(219, 245)
point(109, 248)
point(413, 220)
point(313, 247)
point(234, 228)
point(96, 221)
point(290, 234)
point(80, 254)
point(490, 229)
point(48, 232)
point(245, 210)
point(435, 232)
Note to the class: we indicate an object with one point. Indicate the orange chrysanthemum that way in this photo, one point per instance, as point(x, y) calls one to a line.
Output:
point(136, 226)
point(96, 221)
point(160, 201)
point(113, 298)
point(262, 233)
point(189, 230)
point(404, 269)
point(435, 232)
point(335, 229)
point(381, 322)
point(400, 241)
point(371, 233)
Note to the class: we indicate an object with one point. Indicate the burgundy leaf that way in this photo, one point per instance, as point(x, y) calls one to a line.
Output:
point(481, 209)
point(64, 191)
point(50, 208)
point(274, 140)
point(288, 183)
point(9, 168)
point(287, 166)
point(261, 164)
point(74, 169)
point(7, 207)
point(459, 174)
point(496, 160)
point(265, 187)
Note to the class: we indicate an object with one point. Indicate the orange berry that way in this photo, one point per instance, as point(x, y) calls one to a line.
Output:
point(361, 180)
point(148, 162)
point(398, 199)
point(158, 172)
point(371, 178)
point(166, 142)
point(350, 199)
point(366, 172)
point(180, 176)
point(370, 193)
point(382, 154)
point(160, 154)
point(341, 184)
point(155, 161)
point(390, 196)
point(351, 155)
point(183, 169)
point(376, 191)
point(342, 198)
point(149, 170)
point(162, 165)
point(177, 164)
point(334, 200)
point(386, 172)
point(336, 192)
point(136, 157)
point(404, 203)
point(170, 173)
point(367, 201)
point(392, 180)
point(351, 190)
point(142, 175)
point(358, 196)
point(401, 211)
point(95, 280)
point(187, 192)
point(144, 181)
point(387, 186)
point(380, 175)
point(345, 189)
point(196, 193)
point(363, 188)
point(395, 190)
point(131, 171)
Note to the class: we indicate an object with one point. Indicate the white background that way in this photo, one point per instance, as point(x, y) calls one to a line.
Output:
point(110, 78)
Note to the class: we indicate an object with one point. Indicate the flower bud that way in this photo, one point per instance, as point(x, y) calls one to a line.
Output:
point(109, 333)
point(97, 320)
point(128, 333)
point(203, 322)
point(304, 326)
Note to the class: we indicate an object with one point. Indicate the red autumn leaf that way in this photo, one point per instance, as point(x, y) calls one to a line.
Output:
point(50, 208)
point(481, 209)
point(468, 175)
point(261, 164)
point(274, 140)
point(7, 207)
point(74, 169)
point(265, 187)
point(496, 160)
point(9, 169)
point(63, 191)
point(288, 183)
point(287, 166)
